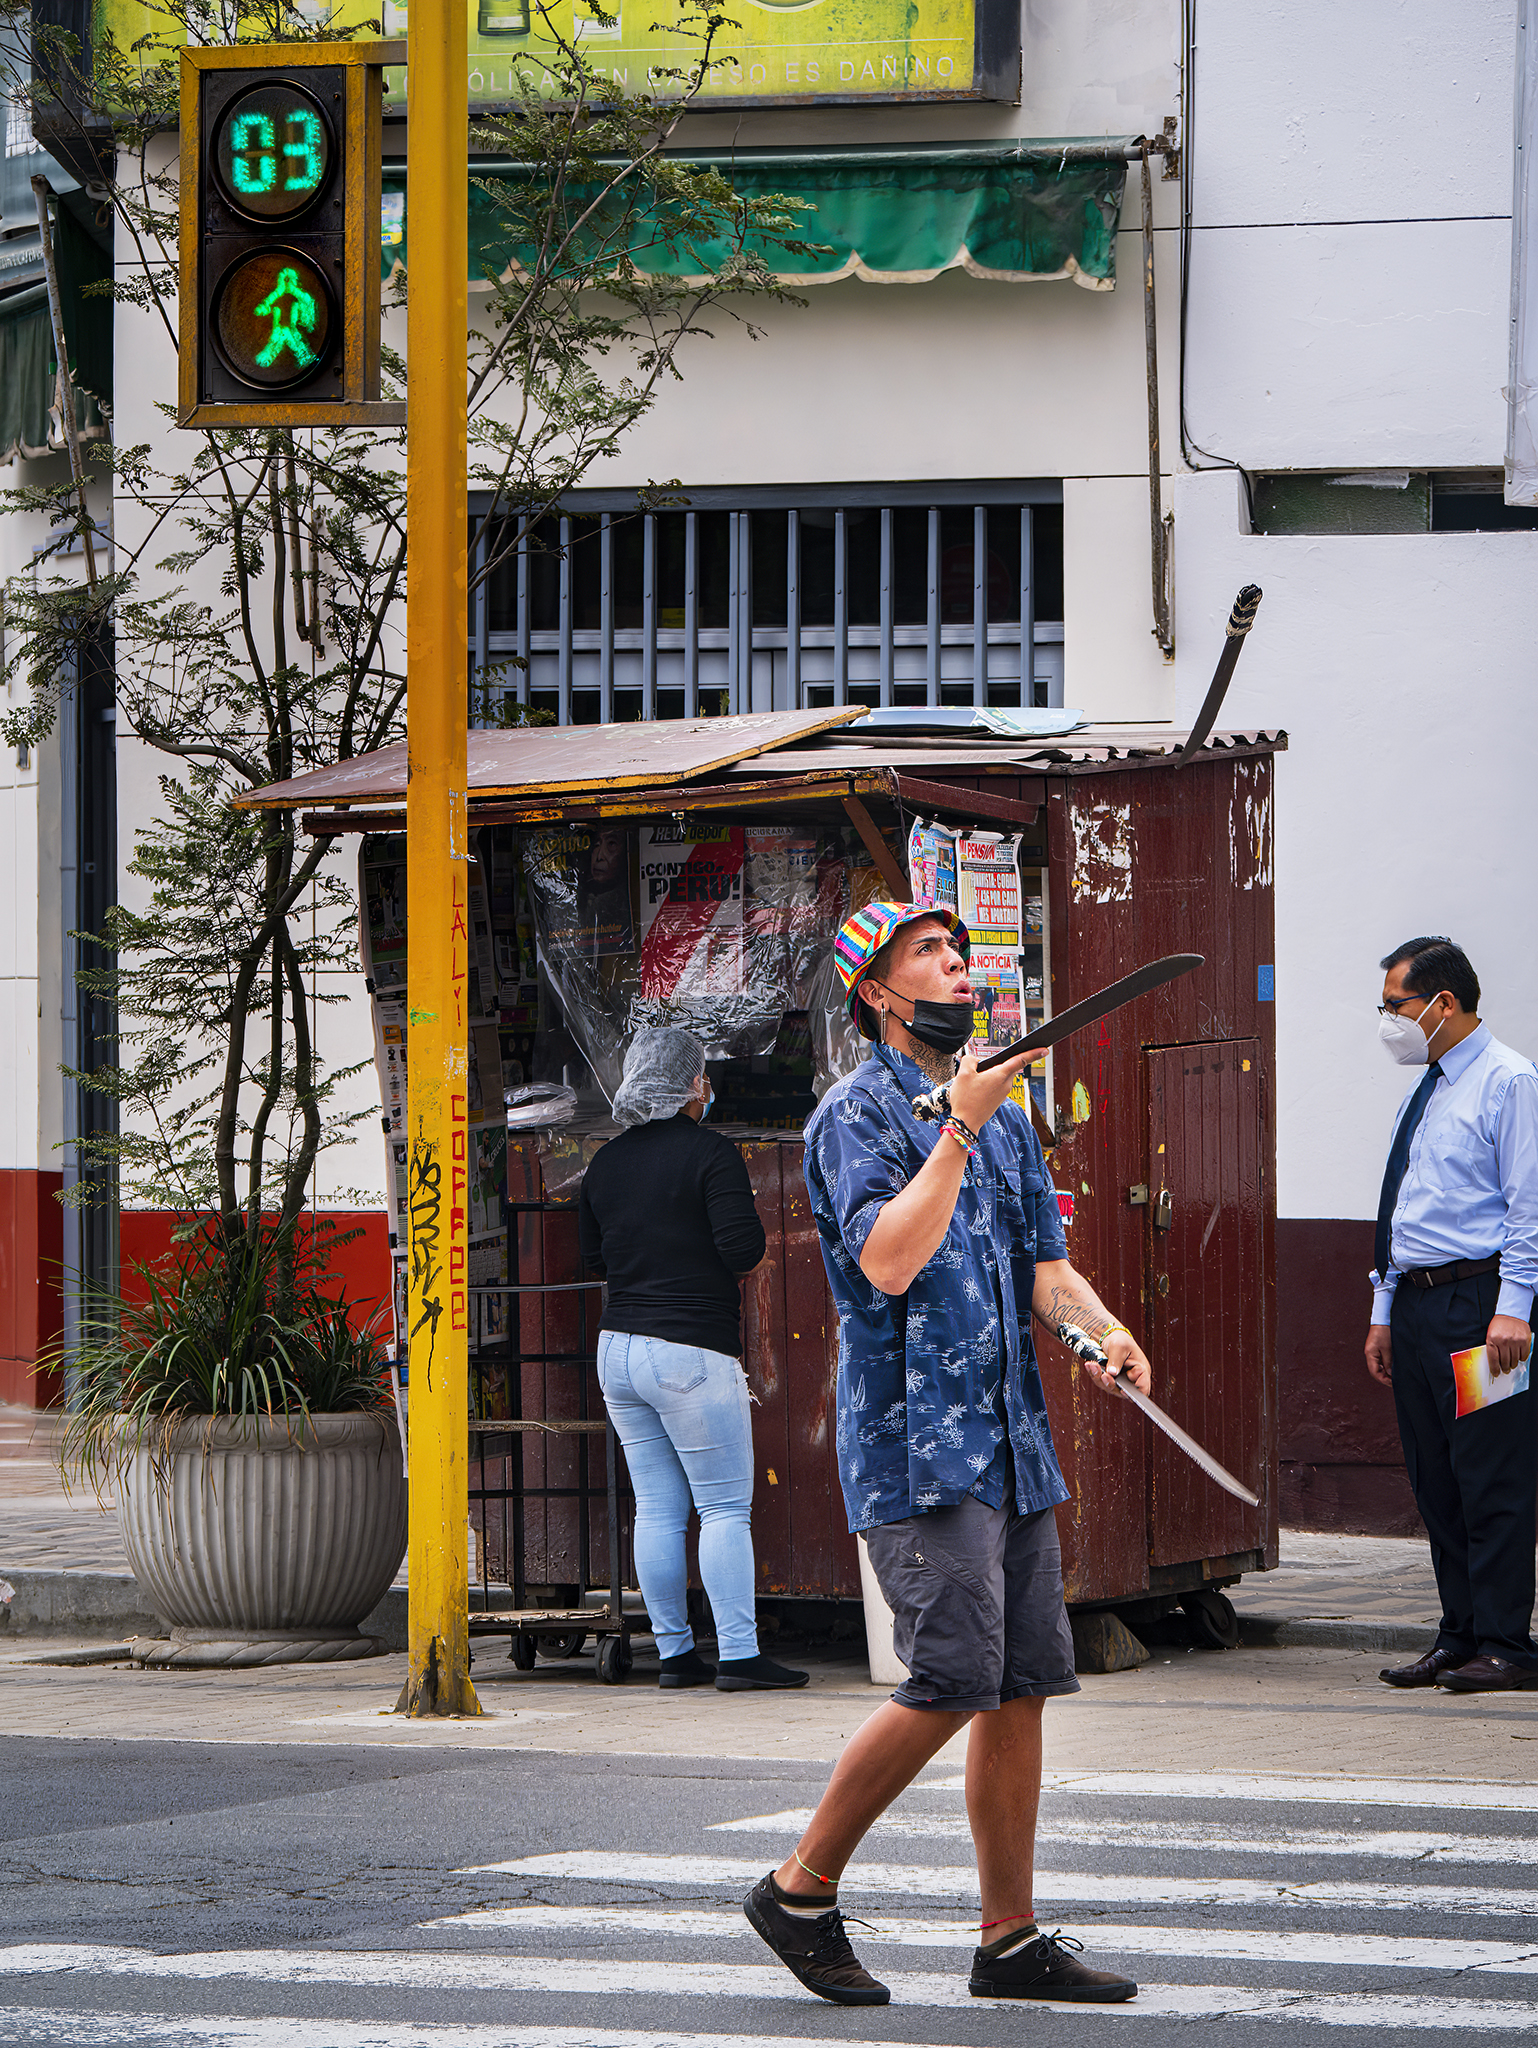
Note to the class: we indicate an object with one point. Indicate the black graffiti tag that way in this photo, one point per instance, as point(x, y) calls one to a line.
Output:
point(426, 1207)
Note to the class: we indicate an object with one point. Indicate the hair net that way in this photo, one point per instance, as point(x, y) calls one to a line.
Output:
point(661, 1068)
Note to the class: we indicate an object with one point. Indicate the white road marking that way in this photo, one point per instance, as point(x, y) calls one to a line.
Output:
point(1162, 1835)
point(1446, 1794)
point(1231, 1944)
point(37, 2027)
point(604, 1866)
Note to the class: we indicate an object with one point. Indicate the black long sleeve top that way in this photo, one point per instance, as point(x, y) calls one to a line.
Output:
point(667, 1214)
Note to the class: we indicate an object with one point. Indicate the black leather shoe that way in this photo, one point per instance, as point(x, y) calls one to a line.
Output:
point(815, 1951)
point(1425, 1670)
point(1489, 1674)
point(757, 1674)
point(1047, 1968)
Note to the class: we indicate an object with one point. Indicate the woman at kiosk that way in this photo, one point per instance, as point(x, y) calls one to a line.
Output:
point(667, 1216)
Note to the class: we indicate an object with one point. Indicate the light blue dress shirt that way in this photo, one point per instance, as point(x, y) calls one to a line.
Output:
point(1471, 1185)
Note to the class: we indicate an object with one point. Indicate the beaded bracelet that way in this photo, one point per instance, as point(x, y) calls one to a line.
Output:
point(1113, 1327)
point(955, 1129)
point(965, 1128)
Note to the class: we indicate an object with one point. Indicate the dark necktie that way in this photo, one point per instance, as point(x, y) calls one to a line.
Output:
point(1398, 1160)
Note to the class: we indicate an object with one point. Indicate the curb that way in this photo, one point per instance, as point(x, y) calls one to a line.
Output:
point(1286, 1632)
point(115, 1605)
point(75, 1604)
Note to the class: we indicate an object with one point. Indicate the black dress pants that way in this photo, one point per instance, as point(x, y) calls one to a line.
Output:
point(1475, 1477)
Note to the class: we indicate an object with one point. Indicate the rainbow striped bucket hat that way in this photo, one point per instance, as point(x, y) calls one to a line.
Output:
point(861, 937)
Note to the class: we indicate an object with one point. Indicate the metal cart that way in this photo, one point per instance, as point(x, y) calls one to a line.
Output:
point(553, 1631)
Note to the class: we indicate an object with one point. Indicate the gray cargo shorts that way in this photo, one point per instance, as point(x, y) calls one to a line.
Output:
point(976, 1595)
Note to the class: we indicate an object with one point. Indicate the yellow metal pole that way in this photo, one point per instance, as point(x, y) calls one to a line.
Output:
point(437, 852)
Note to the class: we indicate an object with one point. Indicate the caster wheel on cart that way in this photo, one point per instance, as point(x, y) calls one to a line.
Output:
point(1212, 1619)
point(522, 1652)
point(563, 1646)
point(614, 1660)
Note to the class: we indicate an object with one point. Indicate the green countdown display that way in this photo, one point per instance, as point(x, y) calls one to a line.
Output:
point(272, 153)
point(273, 319)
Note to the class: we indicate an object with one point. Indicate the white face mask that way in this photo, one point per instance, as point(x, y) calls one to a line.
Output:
point(1405, 1040)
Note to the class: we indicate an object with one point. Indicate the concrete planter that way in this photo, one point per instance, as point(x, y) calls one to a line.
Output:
point(264, 1542)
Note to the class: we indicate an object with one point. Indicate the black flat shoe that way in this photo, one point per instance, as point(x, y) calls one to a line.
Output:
point(816, 1952)
point(1047, 1968)
point(1425, 1670)
point(687, 1668)
point(756, 1674)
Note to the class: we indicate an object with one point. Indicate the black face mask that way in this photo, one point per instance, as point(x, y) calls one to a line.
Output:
point(943, 1027)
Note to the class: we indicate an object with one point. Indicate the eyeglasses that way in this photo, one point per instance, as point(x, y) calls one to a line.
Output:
point(1395, 1004)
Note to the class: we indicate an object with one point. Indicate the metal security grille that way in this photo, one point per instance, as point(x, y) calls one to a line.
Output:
point(771, 600)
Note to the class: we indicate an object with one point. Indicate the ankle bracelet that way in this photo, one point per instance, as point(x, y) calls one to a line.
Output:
point(813, 1873)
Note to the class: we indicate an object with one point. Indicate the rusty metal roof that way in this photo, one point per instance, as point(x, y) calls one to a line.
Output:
point(569, 757)
point(970, 753)
point(554, 763)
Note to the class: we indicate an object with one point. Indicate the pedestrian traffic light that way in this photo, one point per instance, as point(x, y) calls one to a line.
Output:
point(280, 235)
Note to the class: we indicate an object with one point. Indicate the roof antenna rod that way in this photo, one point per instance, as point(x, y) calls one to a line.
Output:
point(1240, 620)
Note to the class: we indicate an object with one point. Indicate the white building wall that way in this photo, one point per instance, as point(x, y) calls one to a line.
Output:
point(1348, 309)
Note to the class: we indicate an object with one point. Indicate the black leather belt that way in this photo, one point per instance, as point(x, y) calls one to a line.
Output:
point(1460, 1269)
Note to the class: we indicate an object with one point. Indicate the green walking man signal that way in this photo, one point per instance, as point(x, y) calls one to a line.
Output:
point(285, 333)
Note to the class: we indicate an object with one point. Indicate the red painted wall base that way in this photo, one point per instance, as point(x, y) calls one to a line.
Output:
point(1341, 1463)
point(31, 1248)
point(358, 1270)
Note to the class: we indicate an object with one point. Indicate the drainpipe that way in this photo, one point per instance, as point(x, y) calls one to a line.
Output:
point(42, 192)
point(1160, 527)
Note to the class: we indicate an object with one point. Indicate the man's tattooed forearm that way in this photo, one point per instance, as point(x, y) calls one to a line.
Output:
point(1067, 1305)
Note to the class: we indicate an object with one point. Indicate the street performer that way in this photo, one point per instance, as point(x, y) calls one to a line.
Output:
point(940, 1241)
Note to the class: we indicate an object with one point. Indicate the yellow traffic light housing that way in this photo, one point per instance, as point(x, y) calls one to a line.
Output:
point(280, 235)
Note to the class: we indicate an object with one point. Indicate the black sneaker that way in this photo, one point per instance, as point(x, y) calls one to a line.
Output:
point(1047, 1967)
point(756, 1674)
point(815, 1951)
point(687, 1668)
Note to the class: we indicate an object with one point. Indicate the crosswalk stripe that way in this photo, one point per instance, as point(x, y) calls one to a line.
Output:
point(1136, 1834)
point(594, 1977)
point(1421, 1953)
point(1446, 1794)
point(36, 2027)
point(604, 1866)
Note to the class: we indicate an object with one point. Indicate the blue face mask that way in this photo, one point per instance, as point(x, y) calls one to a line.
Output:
point(710, 1101)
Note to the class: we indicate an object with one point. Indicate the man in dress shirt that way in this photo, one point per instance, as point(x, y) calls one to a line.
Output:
point(1456, 1266)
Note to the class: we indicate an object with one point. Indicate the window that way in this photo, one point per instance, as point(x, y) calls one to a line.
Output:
point(773, 600)
point(1387, 501)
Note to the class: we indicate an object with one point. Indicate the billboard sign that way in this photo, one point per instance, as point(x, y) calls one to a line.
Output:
point(773, 51)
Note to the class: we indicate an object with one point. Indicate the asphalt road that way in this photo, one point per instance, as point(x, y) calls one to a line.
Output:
point(318, 1897)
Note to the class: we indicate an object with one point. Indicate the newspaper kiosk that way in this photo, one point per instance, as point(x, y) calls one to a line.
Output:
point(695, 872)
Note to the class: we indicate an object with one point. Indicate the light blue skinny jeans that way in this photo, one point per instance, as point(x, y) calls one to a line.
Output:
point(682, 1415)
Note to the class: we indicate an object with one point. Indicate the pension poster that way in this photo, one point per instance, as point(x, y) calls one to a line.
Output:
point(764, 50)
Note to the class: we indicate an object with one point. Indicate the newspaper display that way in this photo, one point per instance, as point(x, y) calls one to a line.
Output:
point(988, 891)
point(691, 910)
point(932, 865)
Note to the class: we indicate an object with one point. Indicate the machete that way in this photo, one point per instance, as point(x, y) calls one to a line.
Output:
point(1240, 620)
point(1154, 975)
point(1084, 1346)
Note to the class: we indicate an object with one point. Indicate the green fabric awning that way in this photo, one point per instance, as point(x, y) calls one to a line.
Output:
point(27, 369)
point(1013, 212)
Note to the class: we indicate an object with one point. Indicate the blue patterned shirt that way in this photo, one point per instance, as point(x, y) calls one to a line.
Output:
point(927, 1381)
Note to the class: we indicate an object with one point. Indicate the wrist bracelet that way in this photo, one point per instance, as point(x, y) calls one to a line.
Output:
point(965, 1128)
point(1112, 1327)
point(953, 1129)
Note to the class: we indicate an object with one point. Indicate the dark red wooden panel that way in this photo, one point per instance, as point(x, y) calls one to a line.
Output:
point(810, 1390)
point(763, 1358)
point(1206, 1306)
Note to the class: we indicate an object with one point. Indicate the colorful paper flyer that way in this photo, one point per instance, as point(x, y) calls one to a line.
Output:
point(1478, 1387)
point(988, 890)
